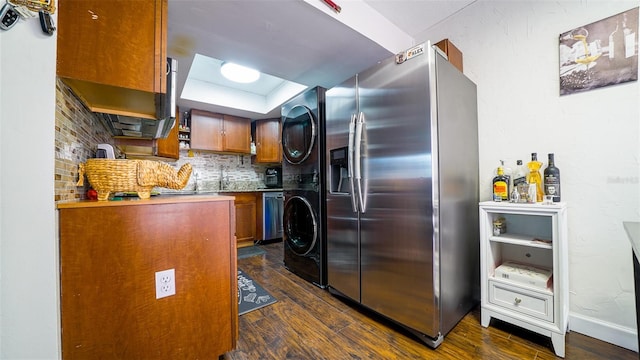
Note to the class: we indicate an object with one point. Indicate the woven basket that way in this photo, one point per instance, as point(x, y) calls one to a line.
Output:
point(141, 176)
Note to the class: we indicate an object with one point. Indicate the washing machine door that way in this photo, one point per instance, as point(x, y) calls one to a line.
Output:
point(298, 134)
point(300, 225)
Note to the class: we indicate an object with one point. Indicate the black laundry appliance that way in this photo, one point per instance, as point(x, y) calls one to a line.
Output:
point(303, 172)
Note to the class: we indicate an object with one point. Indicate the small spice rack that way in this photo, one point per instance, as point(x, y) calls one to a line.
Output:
point(184, 137)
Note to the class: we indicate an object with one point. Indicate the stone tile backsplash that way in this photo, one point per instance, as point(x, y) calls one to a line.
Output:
point(79, 131)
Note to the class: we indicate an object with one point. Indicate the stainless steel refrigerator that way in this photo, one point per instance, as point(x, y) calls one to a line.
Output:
point(402, 197)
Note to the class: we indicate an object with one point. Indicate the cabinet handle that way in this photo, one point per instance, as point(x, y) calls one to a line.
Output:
point(517, 301)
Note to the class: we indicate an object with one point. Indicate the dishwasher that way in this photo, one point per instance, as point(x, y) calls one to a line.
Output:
point(272, 213)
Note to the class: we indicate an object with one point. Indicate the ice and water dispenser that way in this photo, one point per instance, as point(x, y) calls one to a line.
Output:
point(339, 171)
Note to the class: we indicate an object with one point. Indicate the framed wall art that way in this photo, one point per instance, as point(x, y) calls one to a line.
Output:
point(599, 54)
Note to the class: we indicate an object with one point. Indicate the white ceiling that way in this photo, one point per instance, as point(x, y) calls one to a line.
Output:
point(301, 41)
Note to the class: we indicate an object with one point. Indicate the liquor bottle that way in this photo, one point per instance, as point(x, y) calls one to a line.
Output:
point(507, 172)
point(534, 176)
point(500, 186)
point(552, 180)
point(520, 184)
point(520, 175)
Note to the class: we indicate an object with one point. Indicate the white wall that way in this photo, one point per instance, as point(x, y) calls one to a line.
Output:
point(510, 51)
point(29, 320)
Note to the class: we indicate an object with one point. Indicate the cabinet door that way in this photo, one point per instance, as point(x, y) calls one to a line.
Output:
point(268, 146)
point(237, 134)
point(107, 288)
point(246, 208)
point(206, 130)
point(113, 53)
point(169, 147)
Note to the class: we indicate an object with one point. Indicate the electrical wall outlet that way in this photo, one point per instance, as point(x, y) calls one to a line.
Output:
point(165, 283)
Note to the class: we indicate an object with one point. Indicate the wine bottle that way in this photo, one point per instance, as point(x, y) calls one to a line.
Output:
point(534, 176)
point(552, 179)
point(500, 186)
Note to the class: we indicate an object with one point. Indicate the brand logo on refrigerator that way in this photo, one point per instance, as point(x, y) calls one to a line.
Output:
point(409, 54)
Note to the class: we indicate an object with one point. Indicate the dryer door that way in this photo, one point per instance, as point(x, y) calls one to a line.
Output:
point(300, 225)
point(298, 134)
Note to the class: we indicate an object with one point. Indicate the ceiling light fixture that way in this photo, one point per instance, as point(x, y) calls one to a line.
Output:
point(239, 73)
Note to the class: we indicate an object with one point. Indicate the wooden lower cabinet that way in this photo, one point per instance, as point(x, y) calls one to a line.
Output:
point(247, 216)
point(109, 256)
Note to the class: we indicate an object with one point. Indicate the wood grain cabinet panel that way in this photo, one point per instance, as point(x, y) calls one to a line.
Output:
point(113, 53)
point(206, 130)
point(268, 141)
point(453, 53)
point(220, 133)
point(170, 147)
point(237, 134)
point(108, 259)
point(246, 206)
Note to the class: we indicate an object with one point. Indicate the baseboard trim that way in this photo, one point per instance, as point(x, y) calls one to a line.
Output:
point(615, 334)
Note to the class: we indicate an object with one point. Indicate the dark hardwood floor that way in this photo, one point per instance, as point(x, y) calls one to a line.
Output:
point(309, 323)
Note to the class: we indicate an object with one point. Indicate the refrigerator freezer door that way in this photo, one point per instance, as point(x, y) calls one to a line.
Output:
point(412, 254)
point(458, 193)
point(343, 257)
point(397, 239)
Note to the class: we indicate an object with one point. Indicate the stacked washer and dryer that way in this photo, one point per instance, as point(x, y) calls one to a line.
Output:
point(303, 172)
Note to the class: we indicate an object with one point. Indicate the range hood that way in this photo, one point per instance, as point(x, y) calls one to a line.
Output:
point(135, 127)
point(143, 128)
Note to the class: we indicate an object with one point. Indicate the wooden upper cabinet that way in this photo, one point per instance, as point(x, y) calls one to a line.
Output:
point(206, 130)
point(170, 147)
point(268, 141)
point(113, 53)
point(237, 134)
point(221, 133)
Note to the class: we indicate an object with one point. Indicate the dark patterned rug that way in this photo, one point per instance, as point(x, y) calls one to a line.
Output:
point(251, 296)
point(249, 251)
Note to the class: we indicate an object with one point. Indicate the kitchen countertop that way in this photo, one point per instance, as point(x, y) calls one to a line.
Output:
point(154, 200)
point(249, 190)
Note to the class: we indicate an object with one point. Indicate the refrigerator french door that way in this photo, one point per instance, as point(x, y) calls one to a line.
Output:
point(402, 166)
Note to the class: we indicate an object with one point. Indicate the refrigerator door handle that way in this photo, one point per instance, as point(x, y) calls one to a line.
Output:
point(358, 160)
point(350, 160)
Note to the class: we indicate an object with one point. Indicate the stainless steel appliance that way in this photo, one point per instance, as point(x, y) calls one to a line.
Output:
point(272, 212)
point(402, 166)
point(273, 177)
point(120, 125)
point(304, 186)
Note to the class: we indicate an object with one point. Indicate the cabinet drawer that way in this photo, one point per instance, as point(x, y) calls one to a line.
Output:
point(525, 301)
